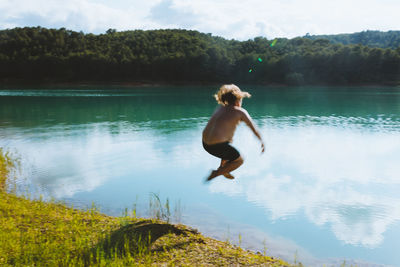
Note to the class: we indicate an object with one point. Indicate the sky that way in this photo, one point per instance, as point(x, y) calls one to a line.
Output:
point(231, 19)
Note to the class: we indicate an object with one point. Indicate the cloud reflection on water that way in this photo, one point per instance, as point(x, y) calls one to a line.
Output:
point(62, 164)
point(334, 175)
point(333, 170)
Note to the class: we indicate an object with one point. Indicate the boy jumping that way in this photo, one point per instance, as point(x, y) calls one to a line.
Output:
point(218, 133)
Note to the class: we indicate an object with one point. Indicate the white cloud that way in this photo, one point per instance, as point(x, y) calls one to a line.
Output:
point(230, 19)
point(89, 16)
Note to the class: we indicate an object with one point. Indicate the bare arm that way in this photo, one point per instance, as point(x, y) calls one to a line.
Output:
point(249, 122)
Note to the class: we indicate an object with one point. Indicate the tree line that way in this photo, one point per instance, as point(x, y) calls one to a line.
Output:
point(390, 39)
point(36, 54)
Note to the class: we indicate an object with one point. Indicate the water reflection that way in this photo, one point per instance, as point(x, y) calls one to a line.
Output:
point(331, 164)
point(339, 176)
point(30, 109)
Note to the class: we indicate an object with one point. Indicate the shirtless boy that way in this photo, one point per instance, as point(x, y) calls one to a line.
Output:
point(219, 131)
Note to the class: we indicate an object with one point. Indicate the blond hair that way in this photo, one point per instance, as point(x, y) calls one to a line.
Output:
point(228, 94)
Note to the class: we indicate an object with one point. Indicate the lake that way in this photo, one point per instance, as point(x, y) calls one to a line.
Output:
point(326, 190)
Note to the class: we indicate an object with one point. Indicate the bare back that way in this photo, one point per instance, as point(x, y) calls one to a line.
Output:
point(222, 124)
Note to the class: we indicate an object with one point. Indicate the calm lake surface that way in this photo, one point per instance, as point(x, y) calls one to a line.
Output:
point(327, 189)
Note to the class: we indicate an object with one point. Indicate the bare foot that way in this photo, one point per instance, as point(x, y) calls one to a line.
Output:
point(229, 176)
point(212, 175)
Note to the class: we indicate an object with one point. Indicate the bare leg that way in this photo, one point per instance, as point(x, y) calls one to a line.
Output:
point(227, 175)
point(226, 168)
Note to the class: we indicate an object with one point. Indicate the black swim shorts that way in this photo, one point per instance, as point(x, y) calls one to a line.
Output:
point(222, 151)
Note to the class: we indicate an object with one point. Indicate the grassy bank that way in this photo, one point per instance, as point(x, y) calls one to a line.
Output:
point(37, 233)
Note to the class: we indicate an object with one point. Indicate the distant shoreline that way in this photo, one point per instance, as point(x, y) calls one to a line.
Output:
point(61, 85)
point(131, 84)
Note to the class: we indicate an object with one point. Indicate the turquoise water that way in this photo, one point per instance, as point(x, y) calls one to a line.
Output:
point(326, 189)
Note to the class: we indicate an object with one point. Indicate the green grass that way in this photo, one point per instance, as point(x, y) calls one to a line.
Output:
point(6, 165)
point(38, 233)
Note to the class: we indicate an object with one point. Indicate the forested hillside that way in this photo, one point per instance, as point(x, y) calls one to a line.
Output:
point(390, 39)
point(60, 55)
